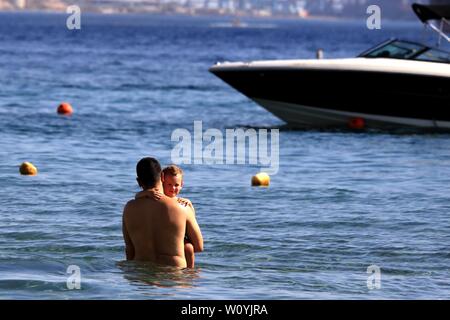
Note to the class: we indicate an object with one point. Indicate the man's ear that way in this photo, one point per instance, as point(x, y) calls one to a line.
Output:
point(162, 176)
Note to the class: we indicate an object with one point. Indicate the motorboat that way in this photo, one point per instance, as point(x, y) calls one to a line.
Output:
point(396, 83)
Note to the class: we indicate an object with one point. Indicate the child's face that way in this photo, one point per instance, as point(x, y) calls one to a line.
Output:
point(172, 185)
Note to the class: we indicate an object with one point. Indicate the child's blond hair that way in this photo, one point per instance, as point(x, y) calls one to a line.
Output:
point(173, 170)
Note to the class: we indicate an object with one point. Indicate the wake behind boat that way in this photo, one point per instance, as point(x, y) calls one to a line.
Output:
point(397, 83)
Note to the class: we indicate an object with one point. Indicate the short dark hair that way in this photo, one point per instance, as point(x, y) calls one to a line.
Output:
point(148, 171)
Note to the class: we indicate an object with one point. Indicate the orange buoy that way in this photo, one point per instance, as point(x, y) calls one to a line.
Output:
point(28, 169)
point(356, 123)
point(262, 179)
point(65, 109)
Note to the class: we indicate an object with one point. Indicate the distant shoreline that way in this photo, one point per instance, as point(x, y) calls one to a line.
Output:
point(209, 15)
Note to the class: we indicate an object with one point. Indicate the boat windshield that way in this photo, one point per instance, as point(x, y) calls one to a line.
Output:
point(397, 49)
point(434, 55)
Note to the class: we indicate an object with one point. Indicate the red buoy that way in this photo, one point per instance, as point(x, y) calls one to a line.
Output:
point(356, 123)
point(65, 109)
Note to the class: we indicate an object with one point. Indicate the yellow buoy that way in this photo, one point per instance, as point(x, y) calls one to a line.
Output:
point(28, 169)
point(262, 179)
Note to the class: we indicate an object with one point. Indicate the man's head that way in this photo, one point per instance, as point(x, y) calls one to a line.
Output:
point(148, 172)
point(172, 180)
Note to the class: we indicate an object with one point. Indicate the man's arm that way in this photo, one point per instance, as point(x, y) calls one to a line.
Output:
point(193, 230)
point(129, 248)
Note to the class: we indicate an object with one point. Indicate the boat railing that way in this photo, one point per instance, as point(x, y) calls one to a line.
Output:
point(429, 13)
point(440, 30)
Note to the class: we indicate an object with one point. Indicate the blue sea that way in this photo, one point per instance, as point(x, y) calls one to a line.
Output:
point(341, 205)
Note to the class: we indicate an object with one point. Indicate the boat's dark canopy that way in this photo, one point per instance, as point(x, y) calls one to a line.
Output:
point(431, 12)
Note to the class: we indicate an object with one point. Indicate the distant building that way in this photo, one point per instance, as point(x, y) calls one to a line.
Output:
point(397, 9)
point(21, 4)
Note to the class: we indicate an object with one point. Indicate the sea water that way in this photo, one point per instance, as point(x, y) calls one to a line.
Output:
point(341, 205)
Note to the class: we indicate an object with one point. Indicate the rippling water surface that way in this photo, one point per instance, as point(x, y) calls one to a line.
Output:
point(340, 202)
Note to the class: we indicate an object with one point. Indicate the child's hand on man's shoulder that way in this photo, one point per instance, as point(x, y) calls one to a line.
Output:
point(185, 202)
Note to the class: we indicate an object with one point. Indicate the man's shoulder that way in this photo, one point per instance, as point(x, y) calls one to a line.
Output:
point(172, 205)
point(130, 203)
point(164, 203)
point(133, 204)
point(128, 206)
point(168, 202)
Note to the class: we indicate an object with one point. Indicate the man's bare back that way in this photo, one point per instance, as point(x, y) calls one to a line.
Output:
point(154, 230)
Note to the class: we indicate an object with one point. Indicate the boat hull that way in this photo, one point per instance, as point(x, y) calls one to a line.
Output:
point(300, 116)
point(319, 97)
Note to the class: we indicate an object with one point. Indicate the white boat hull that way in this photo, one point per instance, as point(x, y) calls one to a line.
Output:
point(305, 116)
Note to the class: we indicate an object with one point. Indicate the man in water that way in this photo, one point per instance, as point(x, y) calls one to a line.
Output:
point(154, 229)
